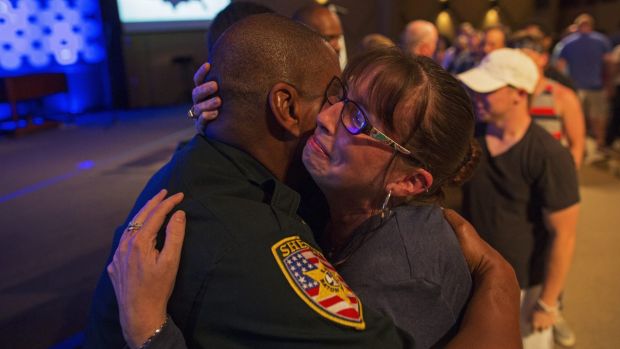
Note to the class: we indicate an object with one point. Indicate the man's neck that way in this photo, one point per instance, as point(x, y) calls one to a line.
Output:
point(275, 155)
point(277, 158)
point(503, 134)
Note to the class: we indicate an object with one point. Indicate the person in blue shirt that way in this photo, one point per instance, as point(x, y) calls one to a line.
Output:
point(584, 55)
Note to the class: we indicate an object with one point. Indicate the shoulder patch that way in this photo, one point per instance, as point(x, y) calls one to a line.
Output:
point(317, 283)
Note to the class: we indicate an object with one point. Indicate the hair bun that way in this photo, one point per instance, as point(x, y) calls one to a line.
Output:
point(469, 164)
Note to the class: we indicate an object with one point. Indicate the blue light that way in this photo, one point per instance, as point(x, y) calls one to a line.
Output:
point(57, 36)
point(8, 126)
point(62, 27)
point(86, 165)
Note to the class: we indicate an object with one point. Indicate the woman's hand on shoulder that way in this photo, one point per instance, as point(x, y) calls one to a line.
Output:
point(142, 276)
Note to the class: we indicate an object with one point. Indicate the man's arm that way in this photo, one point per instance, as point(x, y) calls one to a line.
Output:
point(492, 315)
point(574, 122)
point(563, 226)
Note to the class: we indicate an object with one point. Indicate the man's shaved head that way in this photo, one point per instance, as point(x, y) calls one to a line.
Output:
point(261, 50)
point(272, 73)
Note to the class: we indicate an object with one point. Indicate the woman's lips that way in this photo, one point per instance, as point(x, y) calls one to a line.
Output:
point(317, 146)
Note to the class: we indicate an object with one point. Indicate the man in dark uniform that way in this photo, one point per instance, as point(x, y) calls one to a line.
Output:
point(232, 289)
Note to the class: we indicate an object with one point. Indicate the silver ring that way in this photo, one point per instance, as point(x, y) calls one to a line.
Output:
point(133, 226)
point(190, 113)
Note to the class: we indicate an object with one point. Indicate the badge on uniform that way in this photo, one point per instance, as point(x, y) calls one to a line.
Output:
point(318, 284)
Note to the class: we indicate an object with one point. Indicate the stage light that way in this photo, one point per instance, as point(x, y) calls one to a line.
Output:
point(492, 16)
point(63, 36)
point(444, 24)
point(38, 36)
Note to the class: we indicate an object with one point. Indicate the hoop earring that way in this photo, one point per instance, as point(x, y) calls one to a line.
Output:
point(425, 187)
point(385, 209)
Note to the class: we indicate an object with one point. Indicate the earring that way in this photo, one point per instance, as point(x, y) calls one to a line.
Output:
point(425, 187)
point(385, 209)
point(423, 181)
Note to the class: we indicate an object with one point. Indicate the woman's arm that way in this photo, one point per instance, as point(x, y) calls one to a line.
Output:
point(492, 315)
point(143, 279)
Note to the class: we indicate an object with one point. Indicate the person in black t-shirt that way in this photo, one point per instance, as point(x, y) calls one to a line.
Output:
point(523, 198)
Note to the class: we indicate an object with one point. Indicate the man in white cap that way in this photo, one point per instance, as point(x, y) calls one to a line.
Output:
point(523, 198)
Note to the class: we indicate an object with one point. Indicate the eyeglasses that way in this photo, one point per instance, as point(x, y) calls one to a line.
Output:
point(354, 118)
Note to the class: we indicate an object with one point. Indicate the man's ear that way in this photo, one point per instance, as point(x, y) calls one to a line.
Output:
point(518, 95)
point(284, 103)
point(413, 183)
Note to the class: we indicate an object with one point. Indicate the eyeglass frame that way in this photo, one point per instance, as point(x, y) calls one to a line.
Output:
point(367, 128)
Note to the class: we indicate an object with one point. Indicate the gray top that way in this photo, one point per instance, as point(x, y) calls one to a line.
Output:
point(410, 268)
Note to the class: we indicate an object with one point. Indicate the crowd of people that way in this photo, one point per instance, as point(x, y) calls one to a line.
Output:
point(581, 59)
point(308, 207)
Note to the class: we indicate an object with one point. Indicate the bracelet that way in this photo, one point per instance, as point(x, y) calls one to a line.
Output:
point(157, 331)
point(547, 308)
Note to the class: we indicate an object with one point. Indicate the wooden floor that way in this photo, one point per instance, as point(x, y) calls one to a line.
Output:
point(63, 191)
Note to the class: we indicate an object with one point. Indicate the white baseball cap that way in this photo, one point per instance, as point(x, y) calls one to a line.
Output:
point(502, 67)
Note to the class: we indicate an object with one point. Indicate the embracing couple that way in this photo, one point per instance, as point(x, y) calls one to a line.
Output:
point(358, 255)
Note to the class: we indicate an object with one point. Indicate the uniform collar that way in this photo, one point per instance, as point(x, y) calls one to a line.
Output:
point(277, 194)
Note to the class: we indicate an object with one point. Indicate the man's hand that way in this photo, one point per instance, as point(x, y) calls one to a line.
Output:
point(542, 320)
point(142, 276)
point(492, 316)
point(204, 107)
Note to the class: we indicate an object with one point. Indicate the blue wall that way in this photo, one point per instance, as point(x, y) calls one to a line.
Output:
point(40, 36)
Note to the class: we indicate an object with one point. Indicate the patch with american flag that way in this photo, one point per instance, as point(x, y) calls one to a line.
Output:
point(318, 284)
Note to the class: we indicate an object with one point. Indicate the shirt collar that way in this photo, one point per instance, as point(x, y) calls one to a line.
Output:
point(277, 194)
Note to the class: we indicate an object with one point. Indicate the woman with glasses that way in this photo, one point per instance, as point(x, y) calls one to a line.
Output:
point(393, 131)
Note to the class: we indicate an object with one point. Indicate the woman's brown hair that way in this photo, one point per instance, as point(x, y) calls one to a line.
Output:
point(425, 108)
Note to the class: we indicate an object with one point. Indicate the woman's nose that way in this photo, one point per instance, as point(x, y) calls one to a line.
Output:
point(327, 120)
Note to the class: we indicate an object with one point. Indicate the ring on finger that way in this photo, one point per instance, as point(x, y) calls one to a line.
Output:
point(191, 114)
point(134, 226)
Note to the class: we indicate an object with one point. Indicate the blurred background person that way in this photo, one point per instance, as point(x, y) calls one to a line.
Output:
point(443, 44)
point(375, 41)
point(420, 38)
point(468, 52)
point(585, 55)
point(494, 38)
point(325, 22)
point(550, 71)
point(232, 13)
point(554, 107)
